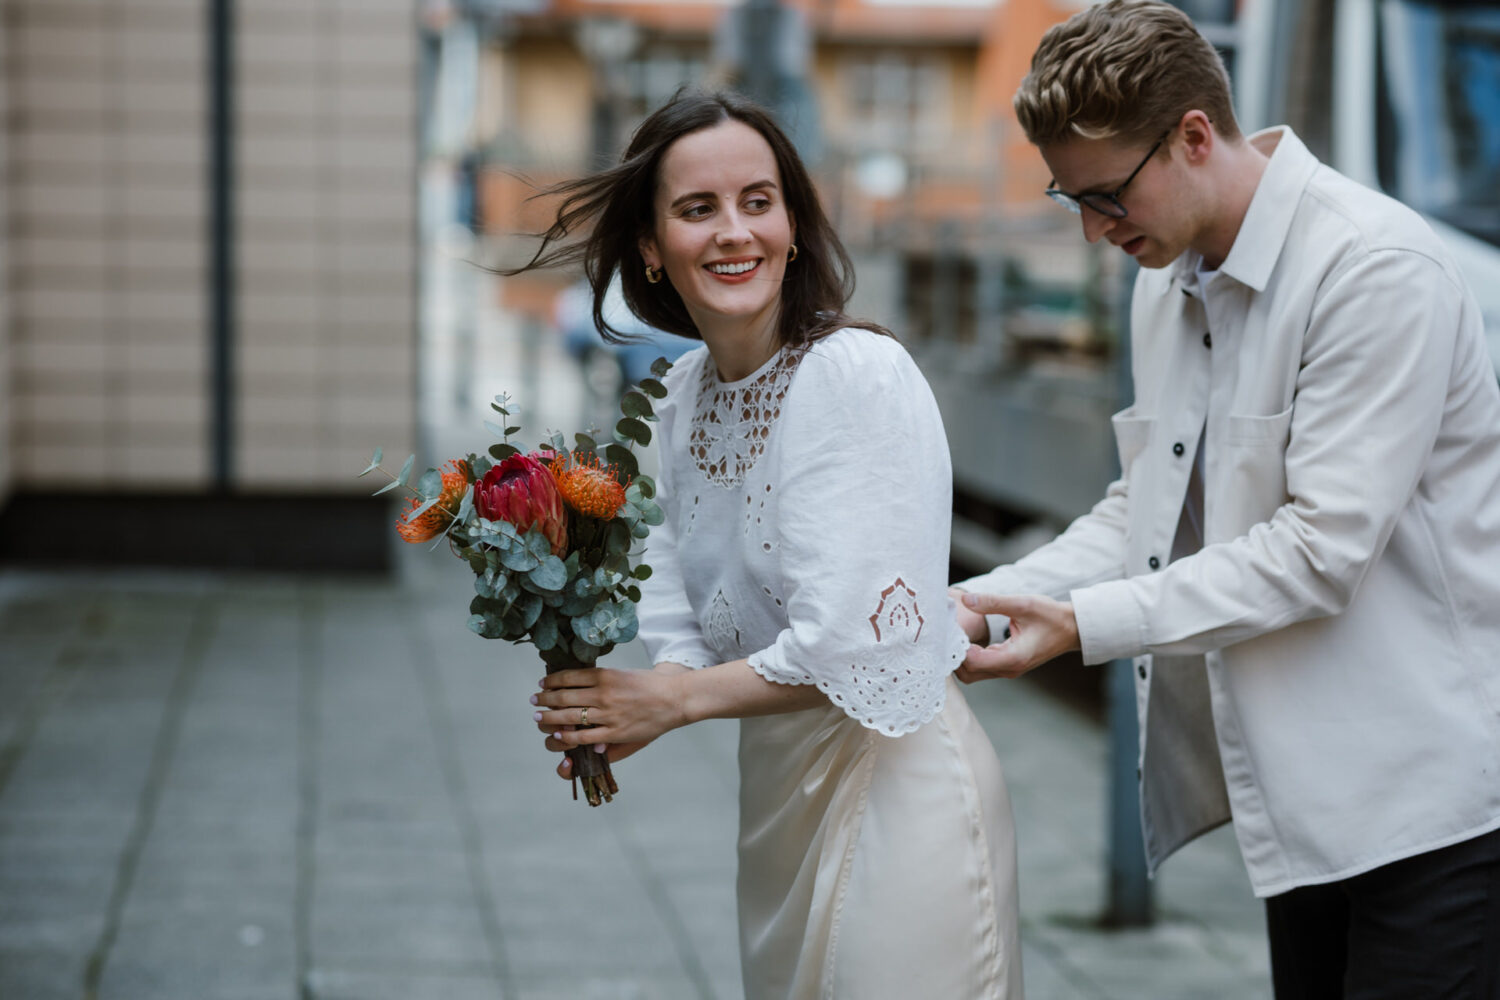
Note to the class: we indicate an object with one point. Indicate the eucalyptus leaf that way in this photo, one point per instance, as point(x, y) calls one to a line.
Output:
point(642, 572)
point(634, 593)
point(406, 468)
point(387, 487)
point(550, 575)
point(631, 429)
point(545, 632)
point(529, 606)
point(537, 544)
point(517, 558)
point(647, 486)
point(635, 404)
point(640, 529)
point(465, 507)
point(653, 388)
point(623, 458)
point(556, 440)
point(660, 367)
point(430, 486)
point(374, 463)
point(500, 452)
point(421, 509)
point(651, 513)
point(617, 538)
point(496, 429)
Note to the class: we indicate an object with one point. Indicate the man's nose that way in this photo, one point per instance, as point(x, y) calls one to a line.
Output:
point(1095, 224)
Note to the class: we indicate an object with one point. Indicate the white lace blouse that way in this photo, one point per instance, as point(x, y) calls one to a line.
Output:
point(807, 527)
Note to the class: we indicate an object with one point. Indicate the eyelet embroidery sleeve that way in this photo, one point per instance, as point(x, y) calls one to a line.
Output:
point(669, 628)
point(866, 500)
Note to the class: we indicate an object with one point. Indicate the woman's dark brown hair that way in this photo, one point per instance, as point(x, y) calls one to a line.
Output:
point(617, 207)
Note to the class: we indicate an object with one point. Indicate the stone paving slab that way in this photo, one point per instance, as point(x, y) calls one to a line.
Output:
point(221, 787)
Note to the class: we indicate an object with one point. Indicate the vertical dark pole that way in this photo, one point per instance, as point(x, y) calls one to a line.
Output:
point(1130, 897)
point(221, 238)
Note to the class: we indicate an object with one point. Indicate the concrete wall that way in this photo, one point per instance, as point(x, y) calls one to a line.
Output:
point(109, 248)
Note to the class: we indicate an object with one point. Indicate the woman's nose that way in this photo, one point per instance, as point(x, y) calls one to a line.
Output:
point(733, 231)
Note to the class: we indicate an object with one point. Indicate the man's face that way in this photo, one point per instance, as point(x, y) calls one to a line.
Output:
point(1158, 225)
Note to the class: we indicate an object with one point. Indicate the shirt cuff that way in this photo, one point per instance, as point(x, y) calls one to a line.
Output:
point(1110, 623)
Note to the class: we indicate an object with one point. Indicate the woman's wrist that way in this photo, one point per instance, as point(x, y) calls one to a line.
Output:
point(676, 680)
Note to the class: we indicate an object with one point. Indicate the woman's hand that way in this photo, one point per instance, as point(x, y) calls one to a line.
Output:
point(617, 707)
point(616, 752)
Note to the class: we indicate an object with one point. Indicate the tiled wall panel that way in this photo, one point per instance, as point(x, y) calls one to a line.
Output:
point(327, 166)
point(105, 344)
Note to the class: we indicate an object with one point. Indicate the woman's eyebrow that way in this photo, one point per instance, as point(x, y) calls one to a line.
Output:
point(709, 195)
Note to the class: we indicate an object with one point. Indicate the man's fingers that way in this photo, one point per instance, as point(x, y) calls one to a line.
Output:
point(991, 604)
point(1004, 660)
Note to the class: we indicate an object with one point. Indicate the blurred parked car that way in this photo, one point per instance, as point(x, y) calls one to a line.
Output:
point(608, 369)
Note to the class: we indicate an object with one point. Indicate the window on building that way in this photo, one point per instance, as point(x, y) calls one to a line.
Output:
point(896, 100)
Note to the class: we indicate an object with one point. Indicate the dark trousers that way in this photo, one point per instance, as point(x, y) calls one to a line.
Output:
point(1423, 928)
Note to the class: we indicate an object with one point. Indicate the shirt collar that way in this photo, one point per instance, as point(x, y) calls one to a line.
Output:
point(1263, 232)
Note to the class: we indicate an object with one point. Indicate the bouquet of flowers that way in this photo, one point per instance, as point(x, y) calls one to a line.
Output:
point(549, 536)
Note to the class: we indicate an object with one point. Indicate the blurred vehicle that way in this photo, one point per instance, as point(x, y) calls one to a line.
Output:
point(1400, 95)
point(608, 369)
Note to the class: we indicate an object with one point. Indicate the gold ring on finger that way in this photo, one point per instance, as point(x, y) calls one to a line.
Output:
point(583, 717)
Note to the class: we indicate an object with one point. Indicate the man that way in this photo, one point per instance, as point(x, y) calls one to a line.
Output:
point(1302, 553)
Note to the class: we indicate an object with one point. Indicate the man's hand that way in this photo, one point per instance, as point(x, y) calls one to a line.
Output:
point(1040, 629)
point(972, 622)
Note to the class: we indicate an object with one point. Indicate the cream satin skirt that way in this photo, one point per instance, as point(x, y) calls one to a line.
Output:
point(873, 867)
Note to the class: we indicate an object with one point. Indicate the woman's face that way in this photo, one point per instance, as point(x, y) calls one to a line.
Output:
point(722, 228)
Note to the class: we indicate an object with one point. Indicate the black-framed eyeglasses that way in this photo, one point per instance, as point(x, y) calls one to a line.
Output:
point(1105, 204)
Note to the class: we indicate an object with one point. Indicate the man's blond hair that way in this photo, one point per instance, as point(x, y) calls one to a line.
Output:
point(1125, 69)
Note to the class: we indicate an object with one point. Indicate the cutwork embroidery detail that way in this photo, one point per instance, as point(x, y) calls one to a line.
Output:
point(898, 612)
point(723, 631)
point(731, 426)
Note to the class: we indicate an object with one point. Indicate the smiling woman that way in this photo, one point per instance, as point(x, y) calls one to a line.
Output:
point(793, 587)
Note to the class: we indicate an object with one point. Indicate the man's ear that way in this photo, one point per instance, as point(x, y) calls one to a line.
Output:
point(1198, 136)
point(647, 246)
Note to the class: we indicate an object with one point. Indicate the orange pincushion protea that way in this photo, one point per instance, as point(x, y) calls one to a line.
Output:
point(588, 487)
point(426, 526)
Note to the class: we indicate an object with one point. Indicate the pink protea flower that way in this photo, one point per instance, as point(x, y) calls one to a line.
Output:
point(521, 490)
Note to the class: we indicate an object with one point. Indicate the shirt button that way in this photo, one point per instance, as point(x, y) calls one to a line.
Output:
point(1208, 340)
point(1154, 563)
point(1178, 449)
point(1141, 669)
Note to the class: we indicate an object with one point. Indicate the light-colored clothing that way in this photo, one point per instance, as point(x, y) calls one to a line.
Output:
point(1346, 598)
point(807, 513)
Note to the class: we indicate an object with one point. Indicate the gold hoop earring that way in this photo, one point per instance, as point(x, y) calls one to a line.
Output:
point(653, 275)
point(791, 254)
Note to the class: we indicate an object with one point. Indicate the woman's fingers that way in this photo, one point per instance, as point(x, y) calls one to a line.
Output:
point(587, 677)
point(550, 720)
point(566, 698)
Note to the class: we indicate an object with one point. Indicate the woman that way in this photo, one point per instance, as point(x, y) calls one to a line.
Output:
point(800, 578)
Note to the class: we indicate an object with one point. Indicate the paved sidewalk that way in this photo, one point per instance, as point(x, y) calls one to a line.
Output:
point(217, 788)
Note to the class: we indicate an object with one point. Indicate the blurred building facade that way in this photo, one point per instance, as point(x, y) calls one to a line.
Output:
point(208, 216)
